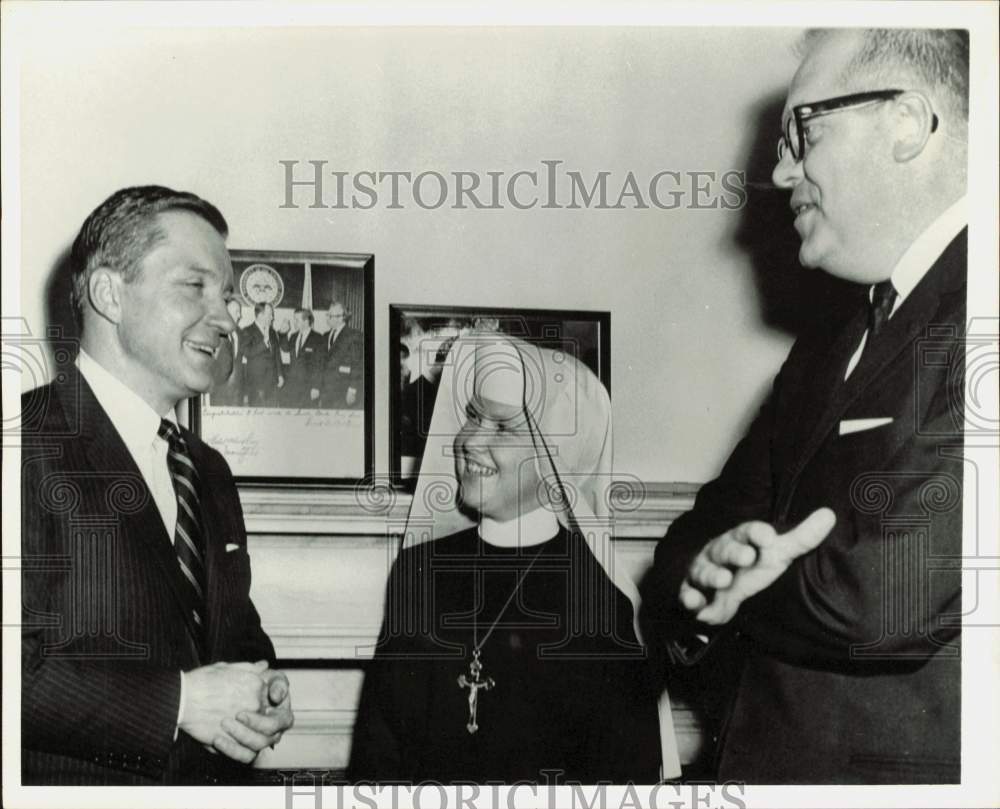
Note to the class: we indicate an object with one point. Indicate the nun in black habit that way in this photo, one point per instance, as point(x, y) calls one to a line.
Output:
point(509, 650)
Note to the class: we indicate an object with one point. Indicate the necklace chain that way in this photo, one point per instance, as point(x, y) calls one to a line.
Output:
point(478, 644)
point(475, 682)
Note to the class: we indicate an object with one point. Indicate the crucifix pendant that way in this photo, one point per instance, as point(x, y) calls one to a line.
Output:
point(473, 683)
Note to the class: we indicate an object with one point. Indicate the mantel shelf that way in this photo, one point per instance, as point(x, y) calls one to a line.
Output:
point(644, 510)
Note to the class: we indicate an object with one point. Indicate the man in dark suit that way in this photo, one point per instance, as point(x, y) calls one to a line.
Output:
point(343, 371)
point(262, 358)
point(307, 353)
point(826, 554)
point(143, 658)
point(228, 388)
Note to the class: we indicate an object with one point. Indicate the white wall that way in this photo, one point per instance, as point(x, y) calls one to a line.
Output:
point(214, 110)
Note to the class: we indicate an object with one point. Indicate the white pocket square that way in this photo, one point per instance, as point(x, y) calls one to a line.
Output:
point(231, 546)
point(848, 426)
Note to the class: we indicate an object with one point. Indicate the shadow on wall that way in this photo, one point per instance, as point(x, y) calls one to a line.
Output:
point(61, 329)
point(793, 298)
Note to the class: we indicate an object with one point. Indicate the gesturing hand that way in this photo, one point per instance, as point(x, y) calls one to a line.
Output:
point(745, 560)
point(255, 730)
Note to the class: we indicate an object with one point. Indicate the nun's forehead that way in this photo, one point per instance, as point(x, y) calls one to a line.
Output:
point(499, 374)
point(518, 374)
point(494, 410)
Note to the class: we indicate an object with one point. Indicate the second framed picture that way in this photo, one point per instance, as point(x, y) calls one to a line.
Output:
point(420, 337)
point(292, 400)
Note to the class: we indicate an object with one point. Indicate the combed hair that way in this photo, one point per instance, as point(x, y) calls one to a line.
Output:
point(123, 229)
point(936, 58)
point(308, 313)
point(342, 305)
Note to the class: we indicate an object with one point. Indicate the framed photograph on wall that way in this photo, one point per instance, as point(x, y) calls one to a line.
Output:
point(420, 337)
point(293, 399)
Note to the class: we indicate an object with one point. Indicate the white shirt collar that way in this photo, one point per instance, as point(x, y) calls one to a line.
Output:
point(135, 420)
point(533, 528)
point(927, 248)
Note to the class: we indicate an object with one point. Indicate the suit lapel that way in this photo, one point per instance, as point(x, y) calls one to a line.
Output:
point(106, 452)
point(908, 323)
point(214, 524)
point(213, 549)
point(825, 379)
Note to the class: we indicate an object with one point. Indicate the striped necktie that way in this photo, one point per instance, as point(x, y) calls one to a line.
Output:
point(188, 536)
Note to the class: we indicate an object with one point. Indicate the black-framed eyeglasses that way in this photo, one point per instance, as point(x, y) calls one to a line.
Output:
point(793, 139)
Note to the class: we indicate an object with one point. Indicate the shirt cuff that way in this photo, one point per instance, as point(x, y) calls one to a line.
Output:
point(180, 709)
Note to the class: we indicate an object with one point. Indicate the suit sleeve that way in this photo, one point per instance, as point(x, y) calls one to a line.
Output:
point(94, 706)
point(278, 344)
point(250, 642)
point(886, 583)
point(356, 357)
point(316, 363)
point(869, 592)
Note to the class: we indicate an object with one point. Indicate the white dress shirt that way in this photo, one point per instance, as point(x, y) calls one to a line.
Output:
point(917, 260)
point(137, 424)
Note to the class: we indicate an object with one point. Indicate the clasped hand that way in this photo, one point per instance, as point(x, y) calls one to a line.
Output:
point(745, 560)
point(236, 709)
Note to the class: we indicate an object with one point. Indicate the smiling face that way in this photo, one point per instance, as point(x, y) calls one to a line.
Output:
point(172, 316)
point(495, 461)
point(843, 194)
point(336, 316)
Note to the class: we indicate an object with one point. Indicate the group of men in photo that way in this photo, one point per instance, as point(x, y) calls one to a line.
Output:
point(300, 367)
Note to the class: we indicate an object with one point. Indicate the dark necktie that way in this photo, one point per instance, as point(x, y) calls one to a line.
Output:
point(883, 297)
point(188, 536)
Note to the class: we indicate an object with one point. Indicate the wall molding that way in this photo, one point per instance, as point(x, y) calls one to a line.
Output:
point(641, 510)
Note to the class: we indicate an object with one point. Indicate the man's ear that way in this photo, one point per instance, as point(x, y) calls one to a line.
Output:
point(914, 122)
point(105, 291)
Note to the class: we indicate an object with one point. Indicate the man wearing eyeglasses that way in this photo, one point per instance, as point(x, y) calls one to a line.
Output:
point(826, 554)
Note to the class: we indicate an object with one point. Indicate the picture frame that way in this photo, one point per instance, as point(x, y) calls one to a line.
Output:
point(419, 336)
point(292, 408)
